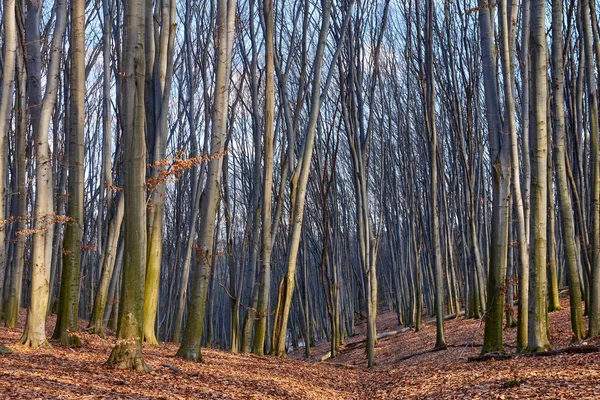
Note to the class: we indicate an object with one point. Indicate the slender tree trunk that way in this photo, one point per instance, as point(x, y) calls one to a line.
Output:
point(537, 326)
point(68, 310)
point(163, 75)
point(440, 339)
point(192, 334)
point(264, 288)
point(286, 289)
point(564, 197)
point(16, 283)
point(506, 25)
point(34, 334)
point(500, 190)
point(6, 99)
point(552, 270)
point(96, 324)
point(594, 310)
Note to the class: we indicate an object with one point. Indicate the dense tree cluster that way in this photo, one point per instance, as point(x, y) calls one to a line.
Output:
point(257, 175)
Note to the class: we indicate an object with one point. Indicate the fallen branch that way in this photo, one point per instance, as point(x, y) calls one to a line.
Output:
point(434, 350)
point(174, 369)
point(177, 370)
point(392, 333)
point(565, 350)
point(342, 365)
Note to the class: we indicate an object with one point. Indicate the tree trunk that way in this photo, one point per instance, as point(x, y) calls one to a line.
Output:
point(127, 354)
point(286, 289)
point(264, 288)
point(68, 309)
point(6, 100)
point(34, 334)
point(16, 282)
point(192, 335)
point(96, 324)
point(594, 310)
point(564, 197)
point(537, 327)
point(500, 190)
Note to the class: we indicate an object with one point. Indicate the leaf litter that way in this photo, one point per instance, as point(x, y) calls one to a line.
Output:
point(407, 368)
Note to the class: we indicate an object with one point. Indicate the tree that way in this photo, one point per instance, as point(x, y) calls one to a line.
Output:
point(508, 23)
point(159, 97)
point(127, 353)
point(192, 334)
point(590, 82)
point(440, 341)
point(499, 157)
point(34, 334)
point(68, 309)
point(537, 329)
point(286, 289)
point(265, 258)
point(6, 99)
point(564, 196)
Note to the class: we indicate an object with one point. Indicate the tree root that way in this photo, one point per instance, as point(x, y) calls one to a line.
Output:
point(128, 355)
point(4, 350)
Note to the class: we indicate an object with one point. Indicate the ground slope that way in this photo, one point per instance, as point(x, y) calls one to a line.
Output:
point(406, 368)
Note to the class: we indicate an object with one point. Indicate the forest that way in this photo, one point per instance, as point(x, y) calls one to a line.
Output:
point(356, 198)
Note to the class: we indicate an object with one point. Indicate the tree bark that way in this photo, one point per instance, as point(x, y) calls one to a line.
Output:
point(127, 354)
point(68, 309)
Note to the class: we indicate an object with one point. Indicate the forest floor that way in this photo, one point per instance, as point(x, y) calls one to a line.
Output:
point(406, 368)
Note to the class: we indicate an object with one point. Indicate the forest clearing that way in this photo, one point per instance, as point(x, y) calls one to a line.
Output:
point(407, 368)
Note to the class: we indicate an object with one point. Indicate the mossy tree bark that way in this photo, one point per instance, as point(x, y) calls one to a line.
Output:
point(163, 74)
point(68, 302)
point(127, 354)
point(192, 334)
point(537, 339)
point(501, 175)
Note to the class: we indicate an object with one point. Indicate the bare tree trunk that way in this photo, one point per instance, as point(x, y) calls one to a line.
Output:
point(192, 335)
point(286, 288)
point(34, 334)
point(564, 197)
point(163, 75)
point(68, 310)
point(500, 187)
point(16, 283)
point(6, 100)
point(507, 26)
point(537, 327)
point(96, 324)
point(440, 312)
point(594, 310)
point(127, 353)
point(264, 288)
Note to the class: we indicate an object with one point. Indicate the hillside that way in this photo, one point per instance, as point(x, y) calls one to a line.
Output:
point(406, 368)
